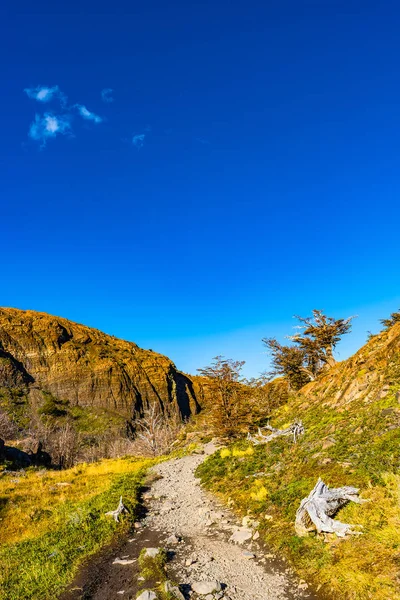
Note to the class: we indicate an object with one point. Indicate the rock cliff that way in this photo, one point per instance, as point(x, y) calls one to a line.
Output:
point(44, 357)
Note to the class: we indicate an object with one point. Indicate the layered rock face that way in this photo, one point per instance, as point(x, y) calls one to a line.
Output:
point(87, 368)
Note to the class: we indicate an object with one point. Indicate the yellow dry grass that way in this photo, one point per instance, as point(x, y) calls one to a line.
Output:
point(39, 500)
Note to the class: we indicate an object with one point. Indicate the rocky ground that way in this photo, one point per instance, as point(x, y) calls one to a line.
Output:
point(211, 555)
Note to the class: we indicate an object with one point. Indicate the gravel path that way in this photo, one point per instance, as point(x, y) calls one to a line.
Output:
point(179, 508)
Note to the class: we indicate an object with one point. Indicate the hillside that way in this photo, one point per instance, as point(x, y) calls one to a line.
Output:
point(351, 417)
point(49, 365)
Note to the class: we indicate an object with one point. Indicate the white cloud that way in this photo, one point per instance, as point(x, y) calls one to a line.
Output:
point(106, 95)
point(43, 93)
point(138, 140)
point(86, 114)
point(48, 126)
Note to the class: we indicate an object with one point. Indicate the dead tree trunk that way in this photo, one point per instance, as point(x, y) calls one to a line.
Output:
point(315, 511)
point(119, 510)
point(296, 429)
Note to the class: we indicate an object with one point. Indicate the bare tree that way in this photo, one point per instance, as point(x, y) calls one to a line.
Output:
point(155, 432)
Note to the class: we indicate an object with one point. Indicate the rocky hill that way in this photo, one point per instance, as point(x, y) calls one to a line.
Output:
point(365, 377)
point(50, 364)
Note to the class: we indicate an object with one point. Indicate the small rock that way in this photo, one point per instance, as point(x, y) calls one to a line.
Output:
point(247, 554)
point(121, 592)
point(256, 535)
point(302, 585)
point(138, 525)
point(152, 552)
point(249, 522)
point(123, 561)
point(173, 540)
point(206, 587)
point(190, 561)
point(173, 590)
point(242, 534)
point(268, 517)
point(147, 595)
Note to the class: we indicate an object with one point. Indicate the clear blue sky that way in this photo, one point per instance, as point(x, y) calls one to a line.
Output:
point(243, 168)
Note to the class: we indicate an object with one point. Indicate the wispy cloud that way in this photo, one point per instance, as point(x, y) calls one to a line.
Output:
point(48, 126)
point(107, 95)
point(86, 114)
point(43, 93)
point(138, 140)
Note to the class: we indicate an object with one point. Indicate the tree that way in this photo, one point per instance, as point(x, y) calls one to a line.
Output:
point(312, 350)
point(155, 432)
point(393, 319)
point(288, 361)
point(265, 396)
point(229, 410)
point(320, 336)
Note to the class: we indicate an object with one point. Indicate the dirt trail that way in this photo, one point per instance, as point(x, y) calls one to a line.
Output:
point(185, 510)
point(196, 531)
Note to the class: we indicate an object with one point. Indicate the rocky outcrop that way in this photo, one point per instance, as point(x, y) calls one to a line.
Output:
point(366, 376)
point(52, 357)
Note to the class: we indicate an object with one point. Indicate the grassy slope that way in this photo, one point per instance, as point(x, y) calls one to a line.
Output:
point(351, 439)
point(48, 529)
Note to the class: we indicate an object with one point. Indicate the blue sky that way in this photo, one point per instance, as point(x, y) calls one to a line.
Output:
point(190, 175)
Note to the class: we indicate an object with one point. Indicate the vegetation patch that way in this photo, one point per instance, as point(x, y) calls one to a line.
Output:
point(52, 520)
point(357, 446)
point(153, 570)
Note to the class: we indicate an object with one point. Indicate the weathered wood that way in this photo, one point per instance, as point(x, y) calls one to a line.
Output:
point(119, 510)
point(315, 511)
point(296, 429)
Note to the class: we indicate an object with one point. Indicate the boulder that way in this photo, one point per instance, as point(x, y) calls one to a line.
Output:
point(206, 587)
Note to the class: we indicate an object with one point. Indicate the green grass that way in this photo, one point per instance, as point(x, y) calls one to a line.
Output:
point(154, 572)
point(365, 454)
point(61, 525)
point(153, 568)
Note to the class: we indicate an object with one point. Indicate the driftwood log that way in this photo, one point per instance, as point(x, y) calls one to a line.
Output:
point(295, 430)
point(316, 511)
point(118, 511)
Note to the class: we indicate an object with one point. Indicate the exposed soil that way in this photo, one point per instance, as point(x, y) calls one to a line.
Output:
point(196, 531)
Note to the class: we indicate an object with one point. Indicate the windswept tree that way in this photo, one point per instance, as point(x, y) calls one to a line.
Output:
point(229, 409)
point(312, 349)
point(320, 335)
point(392, 320)
point(289, 362)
